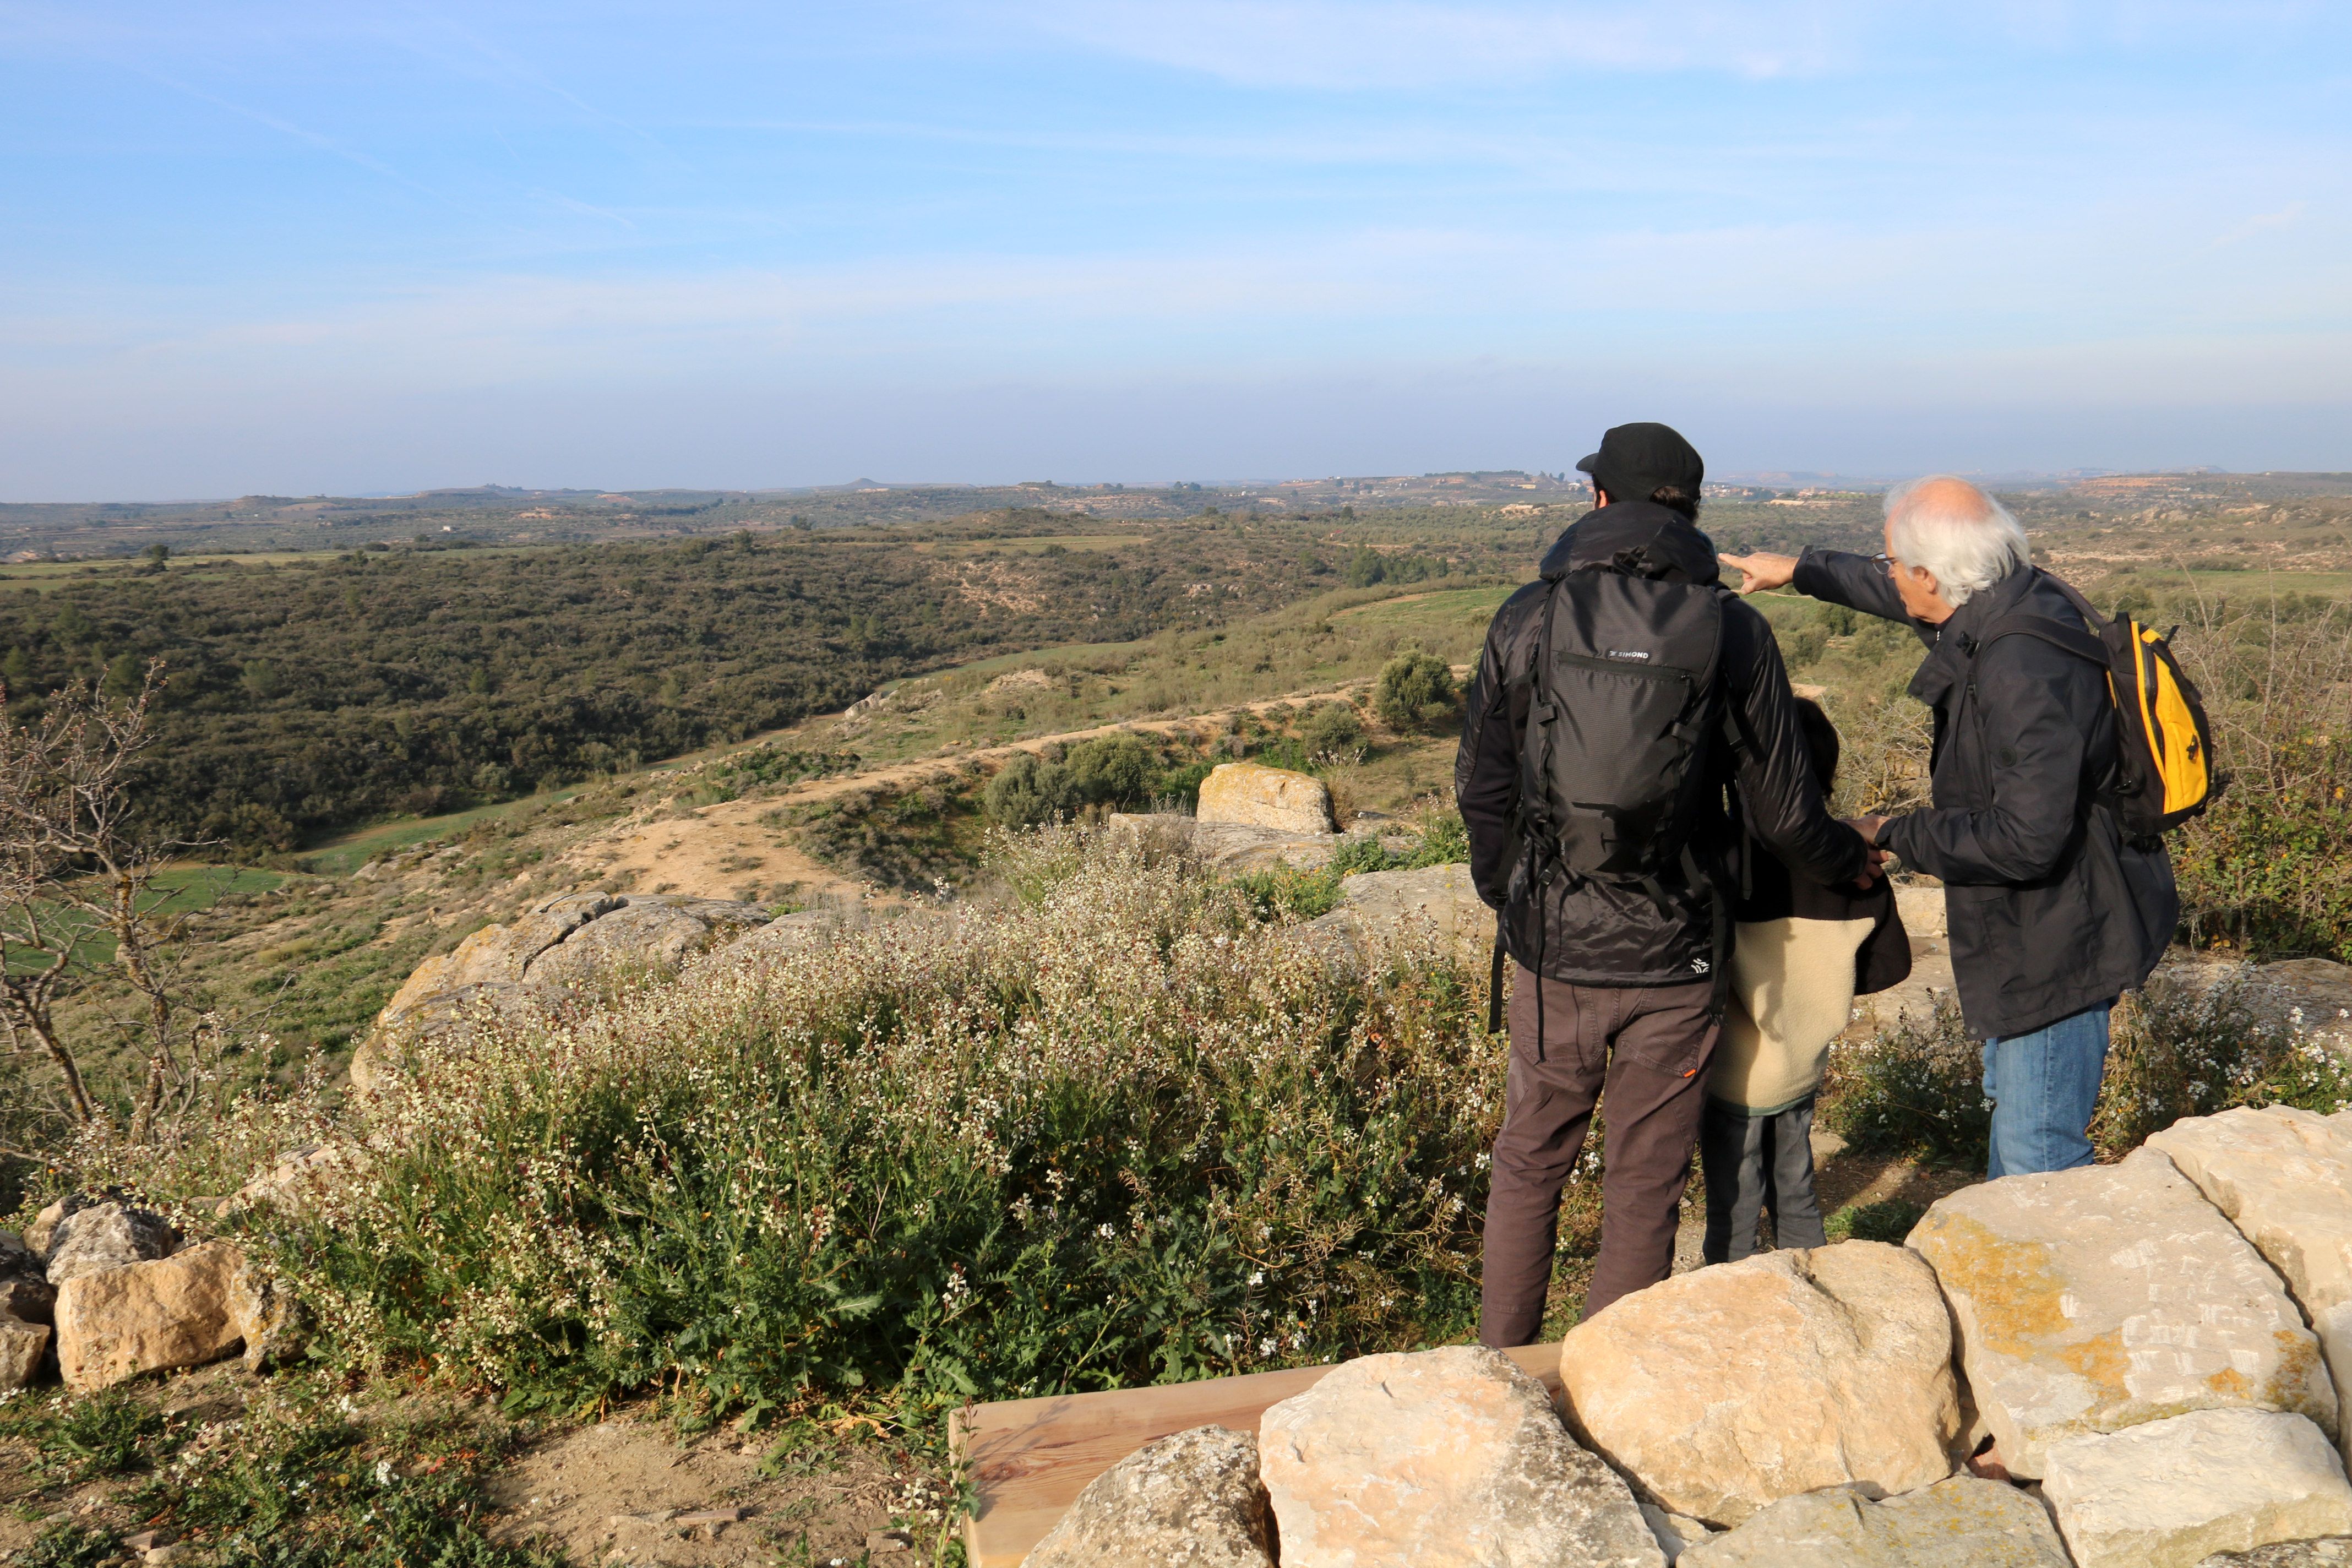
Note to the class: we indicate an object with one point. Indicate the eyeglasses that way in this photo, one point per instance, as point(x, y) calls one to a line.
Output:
point(1886, 563)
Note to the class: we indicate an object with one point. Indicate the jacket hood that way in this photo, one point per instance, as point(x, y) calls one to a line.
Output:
point(1638, 536)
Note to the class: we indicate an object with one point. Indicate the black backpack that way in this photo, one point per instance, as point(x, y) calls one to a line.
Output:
point(1627, 709)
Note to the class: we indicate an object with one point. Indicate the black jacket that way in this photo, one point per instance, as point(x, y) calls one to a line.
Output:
point(1590, 932)
point(1883, 959)
point(2050, 911)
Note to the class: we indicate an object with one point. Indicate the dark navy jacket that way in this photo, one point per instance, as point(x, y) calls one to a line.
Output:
point(2050, 911)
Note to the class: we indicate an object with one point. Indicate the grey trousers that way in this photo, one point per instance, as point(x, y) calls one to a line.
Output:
point(1754, 1164)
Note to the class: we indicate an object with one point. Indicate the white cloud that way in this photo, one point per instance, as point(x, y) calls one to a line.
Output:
point(1403, 44)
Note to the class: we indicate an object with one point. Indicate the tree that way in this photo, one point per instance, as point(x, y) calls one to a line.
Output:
point(1416, 691)
point(78, 872)
point(1028, 791)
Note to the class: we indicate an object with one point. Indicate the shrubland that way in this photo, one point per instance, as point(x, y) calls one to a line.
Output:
point(1106, 1126)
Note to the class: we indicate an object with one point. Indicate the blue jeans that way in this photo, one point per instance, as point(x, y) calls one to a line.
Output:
point(2044, 1088)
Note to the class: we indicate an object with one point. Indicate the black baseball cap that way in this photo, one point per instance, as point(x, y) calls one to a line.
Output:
point(1635, 460)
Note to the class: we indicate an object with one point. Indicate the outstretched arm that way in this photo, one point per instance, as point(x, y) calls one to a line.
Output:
point(1858, 582)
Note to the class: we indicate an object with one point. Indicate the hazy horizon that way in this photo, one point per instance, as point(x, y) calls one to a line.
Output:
point(255, 248)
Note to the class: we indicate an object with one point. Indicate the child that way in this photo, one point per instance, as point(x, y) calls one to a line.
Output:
point(1801, 955)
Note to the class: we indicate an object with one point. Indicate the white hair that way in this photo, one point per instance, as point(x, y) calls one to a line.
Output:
point(1965, 537)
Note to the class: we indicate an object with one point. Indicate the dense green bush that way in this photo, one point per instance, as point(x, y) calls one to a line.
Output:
point(1332, 731)
point(1415, 692)
point(1111, 1131)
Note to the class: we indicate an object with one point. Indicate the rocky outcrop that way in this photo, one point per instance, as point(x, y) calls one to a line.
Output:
point(1435, 906)
point(1226, 847)
point(295, 1184)
point(1961, 1522)
point(1720, 1392)
point(569, 943)
point(23, 1348)
point(1440, 1458)
point(1255, 796)
point(266, 1315)
point(2284, 1177)
point(104, 1237)
point(2170, 1493)
point(2095, 1300)
point(171, 1312)
point(1193, 1498)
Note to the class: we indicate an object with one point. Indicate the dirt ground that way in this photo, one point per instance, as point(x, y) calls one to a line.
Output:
point(627, 1491)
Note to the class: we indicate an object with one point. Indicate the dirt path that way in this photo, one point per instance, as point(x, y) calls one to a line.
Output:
point(725, 851)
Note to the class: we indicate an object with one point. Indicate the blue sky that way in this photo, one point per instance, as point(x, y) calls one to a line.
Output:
point(339, 247)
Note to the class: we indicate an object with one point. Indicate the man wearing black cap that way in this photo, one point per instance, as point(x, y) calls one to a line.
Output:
point(1595, 796)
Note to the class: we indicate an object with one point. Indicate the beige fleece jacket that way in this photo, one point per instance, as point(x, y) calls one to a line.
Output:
point(1791, 991)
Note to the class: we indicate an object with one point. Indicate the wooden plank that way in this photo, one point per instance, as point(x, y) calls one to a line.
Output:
point(1031, 1457)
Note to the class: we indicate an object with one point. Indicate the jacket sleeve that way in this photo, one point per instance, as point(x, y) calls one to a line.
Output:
point(2033, 764)
point(1777, 788)
point(1855, 581)
point(1487, 773)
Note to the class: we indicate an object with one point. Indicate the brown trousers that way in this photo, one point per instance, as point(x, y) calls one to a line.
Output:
point(1644, 1053)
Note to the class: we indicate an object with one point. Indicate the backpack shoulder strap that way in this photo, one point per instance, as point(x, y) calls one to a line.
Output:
point(2057, 634)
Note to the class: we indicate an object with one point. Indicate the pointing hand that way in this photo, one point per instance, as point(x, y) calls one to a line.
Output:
point(1762, 573)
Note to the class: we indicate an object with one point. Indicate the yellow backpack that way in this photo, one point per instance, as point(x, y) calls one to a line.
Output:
point(2165, 771)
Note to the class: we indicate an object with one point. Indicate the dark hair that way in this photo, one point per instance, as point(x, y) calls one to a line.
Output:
point(1821, 739)
point(1676, 498)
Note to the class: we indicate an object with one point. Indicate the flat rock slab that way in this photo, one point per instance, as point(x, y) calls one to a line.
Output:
point(2284, 1177)
point(1445, 1458)
point(1193, 1498)
point(1227, 847)
point(2094, 1299)
point(1961, 1522)
point(2169, 1494)
point(1432, 906)
point(148, 1317)
point(1259, 796)
point(2335, 1551)
point(1722, 1391)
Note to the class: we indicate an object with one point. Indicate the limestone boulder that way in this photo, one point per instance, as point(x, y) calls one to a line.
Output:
point(1433, 905)
point(43, 1228)
point(147, 1317)
point(644, 935)
point(1256, 796)
point(23, 1347)
point(1445, 1458)
point(266, 1315)
point(2284, 1177)
point(566, 944)
point(29, 1298)
point(296, 1184)
point(2170, 1493)
point(2335, 1552)
point(1193, 1498)
point(1722, 1391)
point(104, 1237)
point(1226, 847)
point(1961, 1522)
point(799, 931)
point(2094, 1299)
point(2317, 994)
point(25, 1293)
